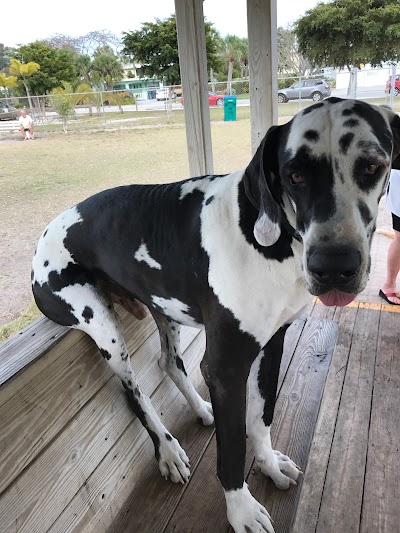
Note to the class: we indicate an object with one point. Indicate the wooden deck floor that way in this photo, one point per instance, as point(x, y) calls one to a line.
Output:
point(74, 458)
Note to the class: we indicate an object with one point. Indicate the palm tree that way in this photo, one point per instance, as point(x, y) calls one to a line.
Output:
point(7, 81)
point(233, 53)
point(23, 71)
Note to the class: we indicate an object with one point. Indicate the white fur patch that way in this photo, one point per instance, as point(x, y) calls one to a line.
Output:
point(245, 513)
point(142, 255)
point(175, 309)
point(262, 294)
point(51, 255)
point(193, 185)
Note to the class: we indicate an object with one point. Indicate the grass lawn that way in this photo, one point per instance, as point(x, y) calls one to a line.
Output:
point(40, 179)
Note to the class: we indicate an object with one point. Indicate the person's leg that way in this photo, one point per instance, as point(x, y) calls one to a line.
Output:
point(31, 131)
point(22, 131)
point(393, 264)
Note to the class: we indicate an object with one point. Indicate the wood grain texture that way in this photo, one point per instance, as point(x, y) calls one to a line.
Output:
point(262, 35)
point(28, 345)
point(61, 469)
point(381, 509)
point(30, 419)
point(128, 479)
point(295, 416)
point(345, 475)
point(194, 76)
point(317, 464)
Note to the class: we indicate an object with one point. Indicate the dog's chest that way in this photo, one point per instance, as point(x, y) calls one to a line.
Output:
point(262, 294)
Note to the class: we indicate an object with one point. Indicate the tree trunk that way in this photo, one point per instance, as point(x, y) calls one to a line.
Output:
point(28, 94)
point(230, 72)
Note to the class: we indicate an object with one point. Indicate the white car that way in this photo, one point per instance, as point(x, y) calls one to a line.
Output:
point(163, 94)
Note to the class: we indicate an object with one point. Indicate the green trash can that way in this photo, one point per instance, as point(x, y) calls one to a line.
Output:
point(229, 107)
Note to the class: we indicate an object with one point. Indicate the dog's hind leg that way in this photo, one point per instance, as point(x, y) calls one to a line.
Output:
point(90, 311)
point(263, 381)
point(171, 362)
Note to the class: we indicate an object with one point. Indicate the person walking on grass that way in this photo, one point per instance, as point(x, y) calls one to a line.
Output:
point(389, 290)
point(26, 125)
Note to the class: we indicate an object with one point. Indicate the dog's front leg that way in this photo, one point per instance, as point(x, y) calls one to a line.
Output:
point(227, 364)
point(263, 382)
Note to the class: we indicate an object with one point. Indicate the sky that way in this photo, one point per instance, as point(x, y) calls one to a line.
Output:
point(44, 18)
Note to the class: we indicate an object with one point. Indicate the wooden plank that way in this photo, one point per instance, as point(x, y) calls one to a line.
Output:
point(28, 345)
point(296, 414)
point(30, 419)
point(262, 34)
point(381, 510)
point(342, 496)
point(57, 474)
point(317, 464)
point(204, 496)
point(126, 491)
point(194, 76)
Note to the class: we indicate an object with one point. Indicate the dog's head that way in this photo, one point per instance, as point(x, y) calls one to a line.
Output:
point(325, 171)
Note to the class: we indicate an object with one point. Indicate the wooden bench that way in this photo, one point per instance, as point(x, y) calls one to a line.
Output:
point(73, 457)
point(9, 128)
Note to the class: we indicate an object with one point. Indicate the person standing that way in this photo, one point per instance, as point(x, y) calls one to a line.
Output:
point(389, 290)
point(26, 125)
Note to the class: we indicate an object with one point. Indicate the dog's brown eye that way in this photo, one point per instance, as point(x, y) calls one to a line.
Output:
point(296, 178)
point(371, 169)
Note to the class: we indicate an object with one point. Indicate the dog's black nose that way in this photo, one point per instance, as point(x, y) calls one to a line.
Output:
point(333, 265)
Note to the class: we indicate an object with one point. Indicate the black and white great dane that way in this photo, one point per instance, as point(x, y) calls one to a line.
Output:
point(239, 255)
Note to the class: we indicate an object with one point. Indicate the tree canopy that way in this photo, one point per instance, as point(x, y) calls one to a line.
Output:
point(56, 66)
point(155, 47)
point(345, 33)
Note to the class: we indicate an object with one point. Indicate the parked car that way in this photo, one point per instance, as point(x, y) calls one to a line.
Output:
point(163, 94)
point(316, 89)
point(396, 85)
point(8, 112)
point(214, 99)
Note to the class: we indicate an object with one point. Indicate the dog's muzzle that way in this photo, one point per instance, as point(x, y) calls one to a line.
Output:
point(334, 271)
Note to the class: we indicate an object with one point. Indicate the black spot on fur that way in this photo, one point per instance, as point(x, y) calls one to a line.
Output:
point(334, 100)
point(351, 123)
point(325, 238)
point(129, 383)
point(347, 112)
point(180, 365)
point(364, 212)
point(377, 124)
point(345, 142)
point(209, 200)
point(87, 314)
point(312, 135)
point(45, 233)
point(311, 108)
point(113, 341)
point(105, 354)
point(168, 436)
point(46, 263)
point(167, 342)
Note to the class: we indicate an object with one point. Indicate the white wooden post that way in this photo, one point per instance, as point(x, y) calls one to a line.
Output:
point(263, 65)
point(193, 67)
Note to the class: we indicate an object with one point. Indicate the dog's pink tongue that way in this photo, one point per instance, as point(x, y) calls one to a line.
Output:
point(336, 298)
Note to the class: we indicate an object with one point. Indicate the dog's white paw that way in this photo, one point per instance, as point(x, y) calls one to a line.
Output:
point(173, 461)
point(245, 513)
point(205, 412)
point(280, 468)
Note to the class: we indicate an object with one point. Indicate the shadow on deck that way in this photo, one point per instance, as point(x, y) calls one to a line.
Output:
point(74, 458)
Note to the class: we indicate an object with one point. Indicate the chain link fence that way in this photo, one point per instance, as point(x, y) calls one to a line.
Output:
point(138, 108)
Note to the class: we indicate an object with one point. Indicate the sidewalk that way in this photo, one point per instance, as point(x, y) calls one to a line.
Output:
point(380, 245)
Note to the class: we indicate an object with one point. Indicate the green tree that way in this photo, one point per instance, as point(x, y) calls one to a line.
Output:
point(8, 81)
point(5, 56)
point(155, 47)
point(24, 72)
point(106, 67)
point(56, 66)
point(234, 52)
point(346, 33)
point(63, 101)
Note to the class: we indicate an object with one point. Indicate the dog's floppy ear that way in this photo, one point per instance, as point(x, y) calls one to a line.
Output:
point(394, 121)
point(264, 175)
